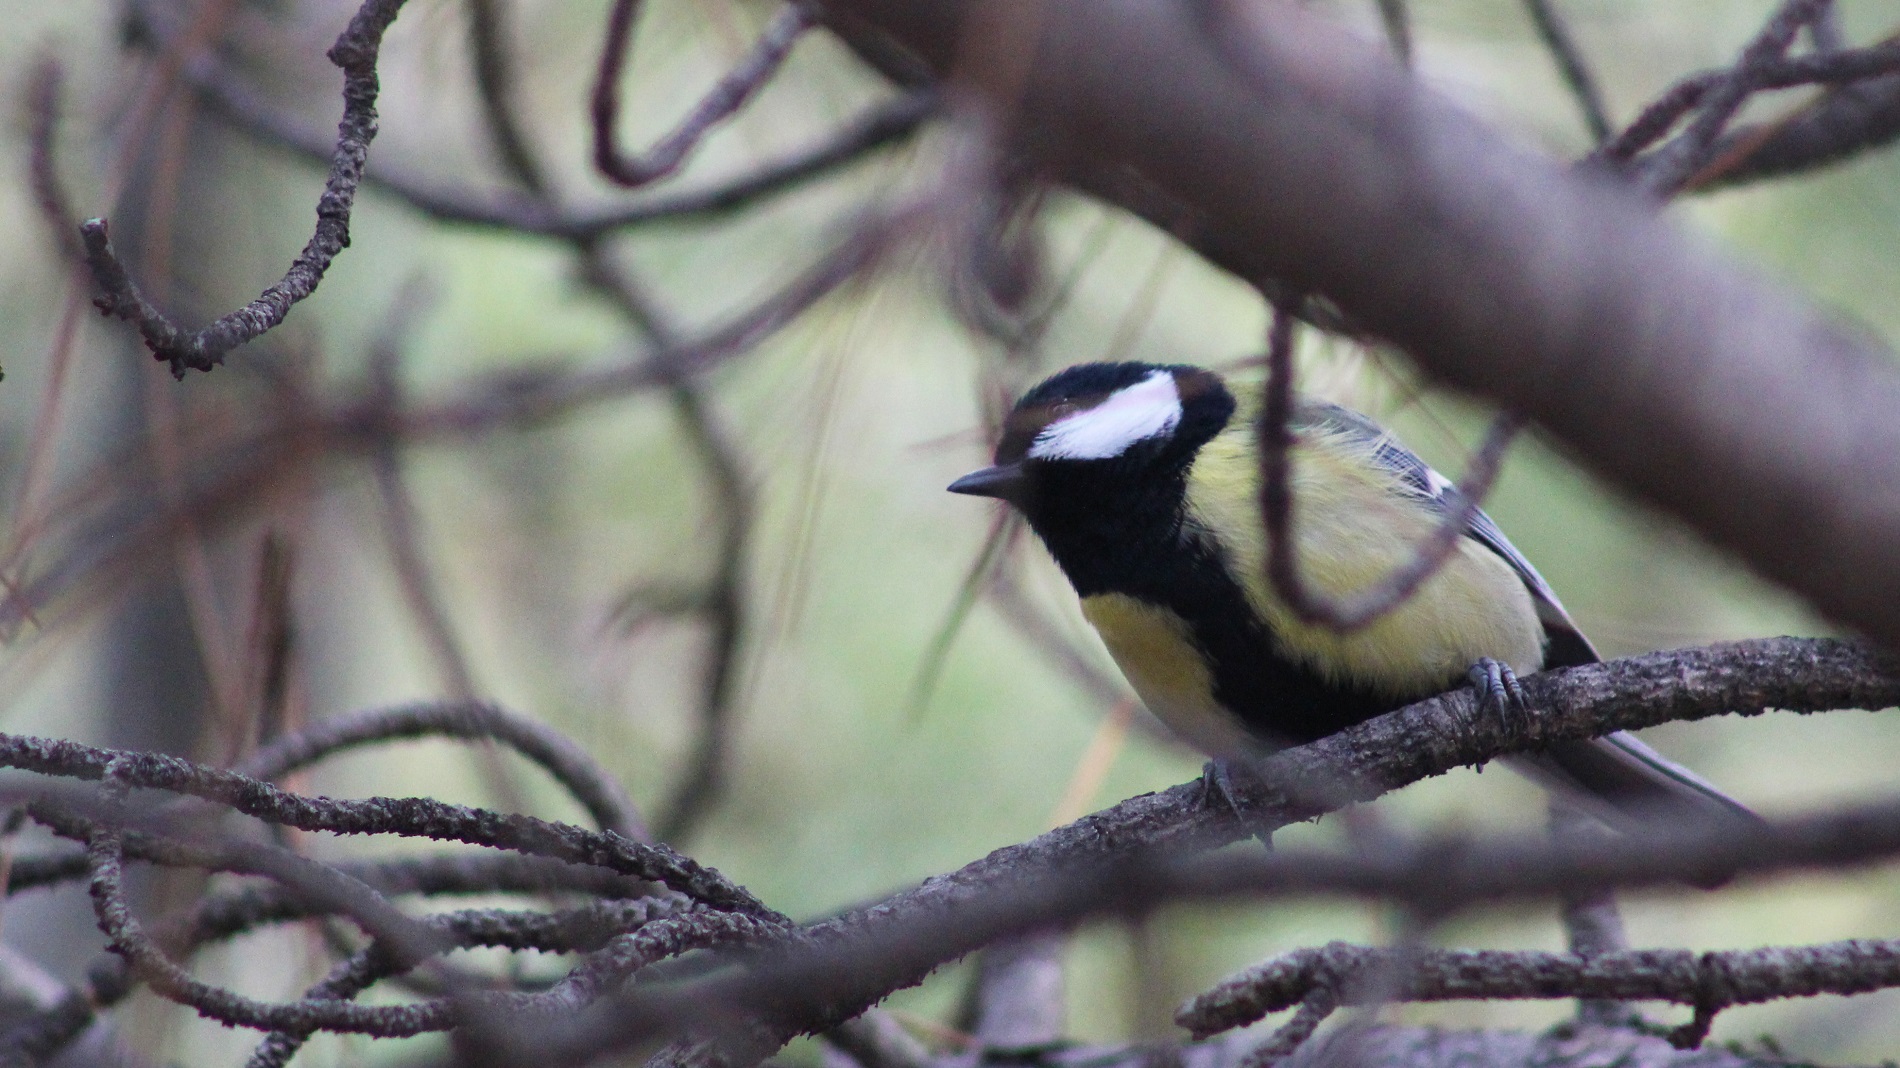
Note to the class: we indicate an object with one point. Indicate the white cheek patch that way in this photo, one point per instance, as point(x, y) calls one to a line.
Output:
point(1147, 409)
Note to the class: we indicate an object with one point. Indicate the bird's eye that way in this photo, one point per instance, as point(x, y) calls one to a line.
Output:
point(1061, 410)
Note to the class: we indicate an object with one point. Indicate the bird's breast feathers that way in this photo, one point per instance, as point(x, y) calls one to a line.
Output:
point(1156, 652)
point(1353, 524)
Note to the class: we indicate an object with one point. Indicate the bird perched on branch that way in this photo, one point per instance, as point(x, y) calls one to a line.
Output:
point(1143, 481)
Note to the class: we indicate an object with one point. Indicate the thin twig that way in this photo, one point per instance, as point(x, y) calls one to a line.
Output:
point(1366, 605)
point(115, 535)
point(723, 602)
point(1032, 623)
point(1665, 172)
point(1832, 68)
point(721, 103)
point(407, 817)
point(407, 940)
point(1397, 17)
point(726, 609)
point(355, 52)
point(1708, 981)
point(1313, 1011)
point(401, 524)
point(599, 793)
point(877, 127)
point(49, 193)
point(1563, 50)
point(271, 637)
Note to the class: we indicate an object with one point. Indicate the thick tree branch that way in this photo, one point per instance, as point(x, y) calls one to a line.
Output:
point(1118, 859)
point(865, 955)
point(795, 979)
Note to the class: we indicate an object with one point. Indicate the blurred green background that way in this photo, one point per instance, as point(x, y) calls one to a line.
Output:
point(851, 421)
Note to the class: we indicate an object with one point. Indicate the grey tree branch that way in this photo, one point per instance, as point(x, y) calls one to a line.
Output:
point(1130, 857)
point(355, 52)
point(1707, 981)
point(1557, 39)
point(1420, 1047)
point(1117, 859)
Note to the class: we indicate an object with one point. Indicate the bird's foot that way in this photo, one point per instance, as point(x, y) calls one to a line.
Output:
point(1222, 790)
point(1498, 692)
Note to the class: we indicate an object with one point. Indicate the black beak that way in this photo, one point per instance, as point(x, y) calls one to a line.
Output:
point(1004, 482)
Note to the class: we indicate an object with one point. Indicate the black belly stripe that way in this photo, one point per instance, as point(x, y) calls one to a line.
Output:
point(1279, 700)
point(1110, 534)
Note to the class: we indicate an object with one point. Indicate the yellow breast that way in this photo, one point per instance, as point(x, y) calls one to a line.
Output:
point(1155, 650)
point(1352, 526)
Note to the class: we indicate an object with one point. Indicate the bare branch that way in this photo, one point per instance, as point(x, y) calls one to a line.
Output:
point(1366, 605)
point(1570, 63)
point(355, 52)
point(876, 128)
point(1847, 122)
point(116, 540)
point(49, 193)
point(405, 938)
point(869, 952)
point(723, 603)
point(1674, 164)
point(1861, 75)
point(1115, 860)
point(407, 817)
point(724, 101)
point(494, 87)
point(598, 792)
point(1313, 1011)
point(725, 608)
point(1711, 981)
point(818, 976)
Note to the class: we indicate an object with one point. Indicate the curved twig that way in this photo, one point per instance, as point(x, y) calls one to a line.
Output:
point(596, 790)
point(1849, 70)
point(406, 817)
point(726, 98)
point(1366, 605)
point(355, 52)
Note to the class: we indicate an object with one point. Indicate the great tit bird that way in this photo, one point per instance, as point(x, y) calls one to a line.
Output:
point(1142, 480)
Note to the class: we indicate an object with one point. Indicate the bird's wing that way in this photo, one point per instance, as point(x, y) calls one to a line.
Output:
point(1616, 777)
point(1567, 647)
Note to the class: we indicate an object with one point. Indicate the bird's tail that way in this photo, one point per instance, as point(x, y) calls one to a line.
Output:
point(1630, 786)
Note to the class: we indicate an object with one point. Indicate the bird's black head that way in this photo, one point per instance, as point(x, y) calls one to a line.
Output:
point(1089, 436)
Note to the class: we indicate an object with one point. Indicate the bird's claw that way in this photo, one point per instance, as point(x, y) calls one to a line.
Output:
point(1220, 790)
point(1499, 692)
